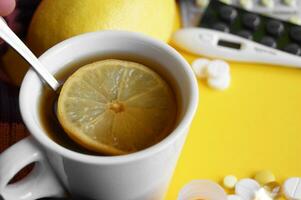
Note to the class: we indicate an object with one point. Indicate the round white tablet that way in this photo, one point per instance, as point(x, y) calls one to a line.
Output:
point(199, 67)
point(220, 83)
point(229, 181)
point(292, 188)
point(262, 194)
point(217, 68)
point(202, 189)
point(246, 188)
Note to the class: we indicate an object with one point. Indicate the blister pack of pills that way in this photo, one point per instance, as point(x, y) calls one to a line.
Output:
point(288, 10)
point(277, 34)
point(282, 9)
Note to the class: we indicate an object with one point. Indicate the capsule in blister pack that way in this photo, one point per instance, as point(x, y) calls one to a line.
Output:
point(288, 10)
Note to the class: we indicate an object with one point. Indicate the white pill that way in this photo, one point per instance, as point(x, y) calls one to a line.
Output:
point(199, 67)
point(268, 3)
point(202, 189)
point(202, 3)
point(234, 197)
point(292, 188)
point(246, 188)
point(229, 181)
point(246, 4)
point(262, 194)
point(217, 68)
point(220, 83)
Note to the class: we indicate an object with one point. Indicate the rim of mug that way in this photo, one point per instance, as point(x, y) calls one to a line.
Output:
point(42, 138)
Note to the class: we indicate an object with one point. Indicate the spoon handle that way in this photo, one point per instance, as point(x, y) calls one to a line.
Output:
point(9, 36)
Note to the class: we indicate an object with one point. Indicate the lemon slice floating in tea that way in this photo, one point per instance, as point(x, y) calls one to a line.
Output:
point(116, 107)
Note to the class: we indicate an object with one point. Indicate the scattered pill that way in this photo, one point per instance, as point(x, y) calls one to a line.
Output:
point(202, 3)
point(199, 67)
point(290, 2)
point(262, 194)
point(217, 72)
point(264, 177)
point(217, 68)
point(273, 188)
point(202, 190)
point(295, 20)
point(246, 4)
point(234, 197)
point(268, 3)
point(230, 181)
point(220, 83)
point(292, 188)
point(246, 188)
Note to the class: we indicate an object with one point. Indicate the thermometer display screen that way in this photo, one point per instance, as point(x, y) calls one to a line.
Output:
point(228, 44)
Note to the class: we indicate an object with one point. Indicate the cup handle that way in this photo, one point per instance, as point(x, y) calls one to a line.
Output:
point(41, 182)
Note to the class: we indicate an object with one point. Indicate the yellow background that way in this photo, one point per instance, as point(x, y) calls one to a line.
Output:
point(254, 125)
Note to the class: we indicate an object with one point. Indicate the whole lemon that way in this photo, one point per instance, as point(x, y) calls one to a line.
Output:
point(56, 20)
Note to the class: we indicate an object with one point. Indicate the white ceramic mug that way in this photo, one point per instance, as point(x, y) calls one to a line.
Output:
point(143, 175)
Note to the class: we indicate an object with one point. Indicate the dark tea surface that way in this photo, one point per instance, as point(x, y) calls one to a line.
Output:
point(48, 100)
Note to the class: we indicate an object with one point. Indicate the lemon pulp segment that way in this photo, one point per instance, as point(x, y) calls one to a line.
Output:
point(116, 107)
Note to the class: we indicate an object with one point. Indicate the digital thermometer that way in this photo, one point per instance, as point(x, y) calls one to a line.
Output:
point(217, 44)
